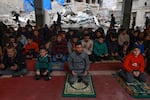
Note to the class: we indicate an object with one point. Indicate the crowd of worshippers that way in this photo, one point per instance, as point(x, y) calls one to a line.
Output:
point(29, 41)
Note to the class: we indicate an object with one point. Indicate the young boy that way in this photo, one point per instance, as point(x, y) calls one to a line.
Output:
point(124, 49)
point(87, 44)
point(123, 41)
point(140, 44)
point(59, 50)
point(133, 66)
point(78, 64)
point(17, 44)
point(71, 43)
point(113, 47)
point(100, 49)
point(31, 49)
point(43, 65)
point(48, 46)
point(13, 63)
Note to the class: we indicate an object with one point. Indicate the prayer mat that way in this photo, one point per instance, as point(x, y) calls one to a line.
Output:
point(57, 66)
point(78, 89)
point(136, 89)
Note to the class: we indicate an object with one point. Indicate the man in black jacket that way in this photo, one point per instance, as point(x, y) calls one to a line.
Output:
point(13, 64)
point(113, 22)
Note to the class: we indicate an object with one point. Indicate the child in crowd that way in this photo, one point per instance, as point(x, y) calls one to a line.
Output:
point(38, 37)
point(78, 64)
point(22, 39)
point(123, 41)
point(113, 47)
point(31, 49)
point(98, 34)
point(63, 35)
point(5, 38)
point(100, 49)
point(69, 35)
point(13, 63)
point(87, 45)
point(124, 49)
point(48, 46)
point(43, 65)
point(59, 50)
point(17, 44)
point(110, 32)
point(134, 35)
point(72, 42)
point(133, 66)
point(140, 44)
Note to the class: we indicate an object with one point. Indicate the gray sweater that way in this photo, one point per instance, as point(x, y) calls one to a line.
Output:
point(78, 62)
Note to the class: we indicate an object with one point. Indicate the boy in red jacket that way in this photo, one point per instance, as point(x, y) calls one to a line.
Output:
point(133, 66)
point(31, 49)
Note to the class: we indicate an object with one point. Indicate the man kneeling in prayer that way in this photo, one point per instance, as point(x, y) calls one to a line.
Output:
point(78, 64)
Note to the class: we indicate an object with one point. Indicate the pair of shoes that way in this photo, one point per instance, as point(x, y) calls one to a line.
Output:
point(46, 78)
point(37, 77)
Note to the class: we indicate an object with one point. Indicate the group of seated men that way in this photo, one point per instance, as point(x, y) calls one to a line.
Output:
point(77, 48)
